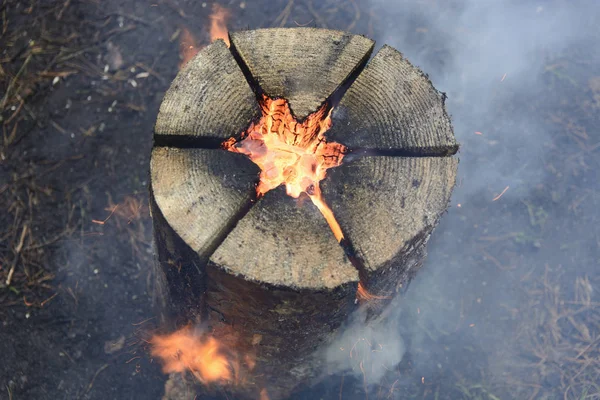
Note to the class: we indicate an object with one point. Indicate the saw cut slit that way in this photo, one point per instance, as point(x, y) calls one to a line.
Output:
point(187, 142)
point(289, 178)
point(202, 193)
point(305, 66)
point(392, 106)
point(209, 100)
point(285, 244)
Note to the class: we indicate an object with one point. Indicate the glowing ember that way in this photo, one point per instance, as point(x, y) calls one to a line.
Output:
point(184, 351)
point(291, 153)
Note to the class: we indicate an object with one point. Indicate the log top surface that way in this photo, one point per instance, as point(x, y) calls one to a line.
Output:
point(286, 244)
point(393, 105)
point(386, 196)
point(209, 98)
point(303, 65)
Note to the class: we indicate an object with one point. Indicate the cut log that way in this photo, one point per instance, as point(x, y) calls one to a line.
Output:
point(303, 65)
point(202, 193)
point(209, 98)
point(393, 107)
point(286, 244)
point(387, 208)
point(266, 277)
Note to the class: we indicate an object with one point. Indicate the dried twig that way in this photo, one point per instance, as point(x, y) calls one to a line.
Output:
point(17, 253)
point(102, 368)
point(356, 16)
point(318, 18)
point(283, 17)
point(13, 81)
point(62, 10)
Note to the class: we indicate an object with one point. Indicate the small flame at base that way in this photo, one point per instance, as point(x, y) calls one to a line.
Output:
point(188, 47)
point(184, 351)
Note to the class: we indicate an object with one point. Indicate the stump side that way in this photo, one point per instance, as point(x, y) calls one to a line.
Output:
point(179, 276)
point(282, 329)
point(225, 260)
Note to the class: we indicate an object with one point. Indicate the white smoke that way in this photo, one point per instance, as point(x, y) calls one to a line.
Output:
point(490, 58)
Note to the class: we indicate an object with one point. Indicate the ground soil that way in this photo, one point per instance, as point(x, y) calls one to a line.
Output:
point(510, 282)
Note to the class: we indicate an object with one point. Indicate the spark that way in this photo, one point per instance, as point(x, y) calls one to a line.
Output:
point(500, 195)
point(393, 386)
point(363, 294)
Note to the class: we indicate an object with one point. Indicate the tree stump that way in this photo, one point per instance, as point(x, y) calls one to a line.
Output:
point(265, 276)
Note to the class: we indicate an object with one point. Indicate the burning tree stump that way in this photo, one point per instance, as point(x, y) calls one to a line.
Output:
point(261, 270)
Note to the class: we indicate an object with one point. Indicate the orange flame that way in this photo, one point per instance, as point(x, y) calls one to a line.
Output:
point(363, 294)
point(184, 351)
point(292, 153)
point(218, 23)
point(188, 44)
point(264, 395)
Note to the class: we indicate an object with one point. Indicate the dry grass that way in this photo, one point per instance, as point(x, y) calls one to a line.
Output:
point(131, 217)
point(36, 57)
point(558, 339)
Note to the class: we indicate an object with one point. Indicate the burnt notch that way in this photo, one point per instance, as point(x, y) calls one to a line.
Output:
point(228, 228)
point(353, 153)
point(253, 83)
point(355, 260)
point(187, 142)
